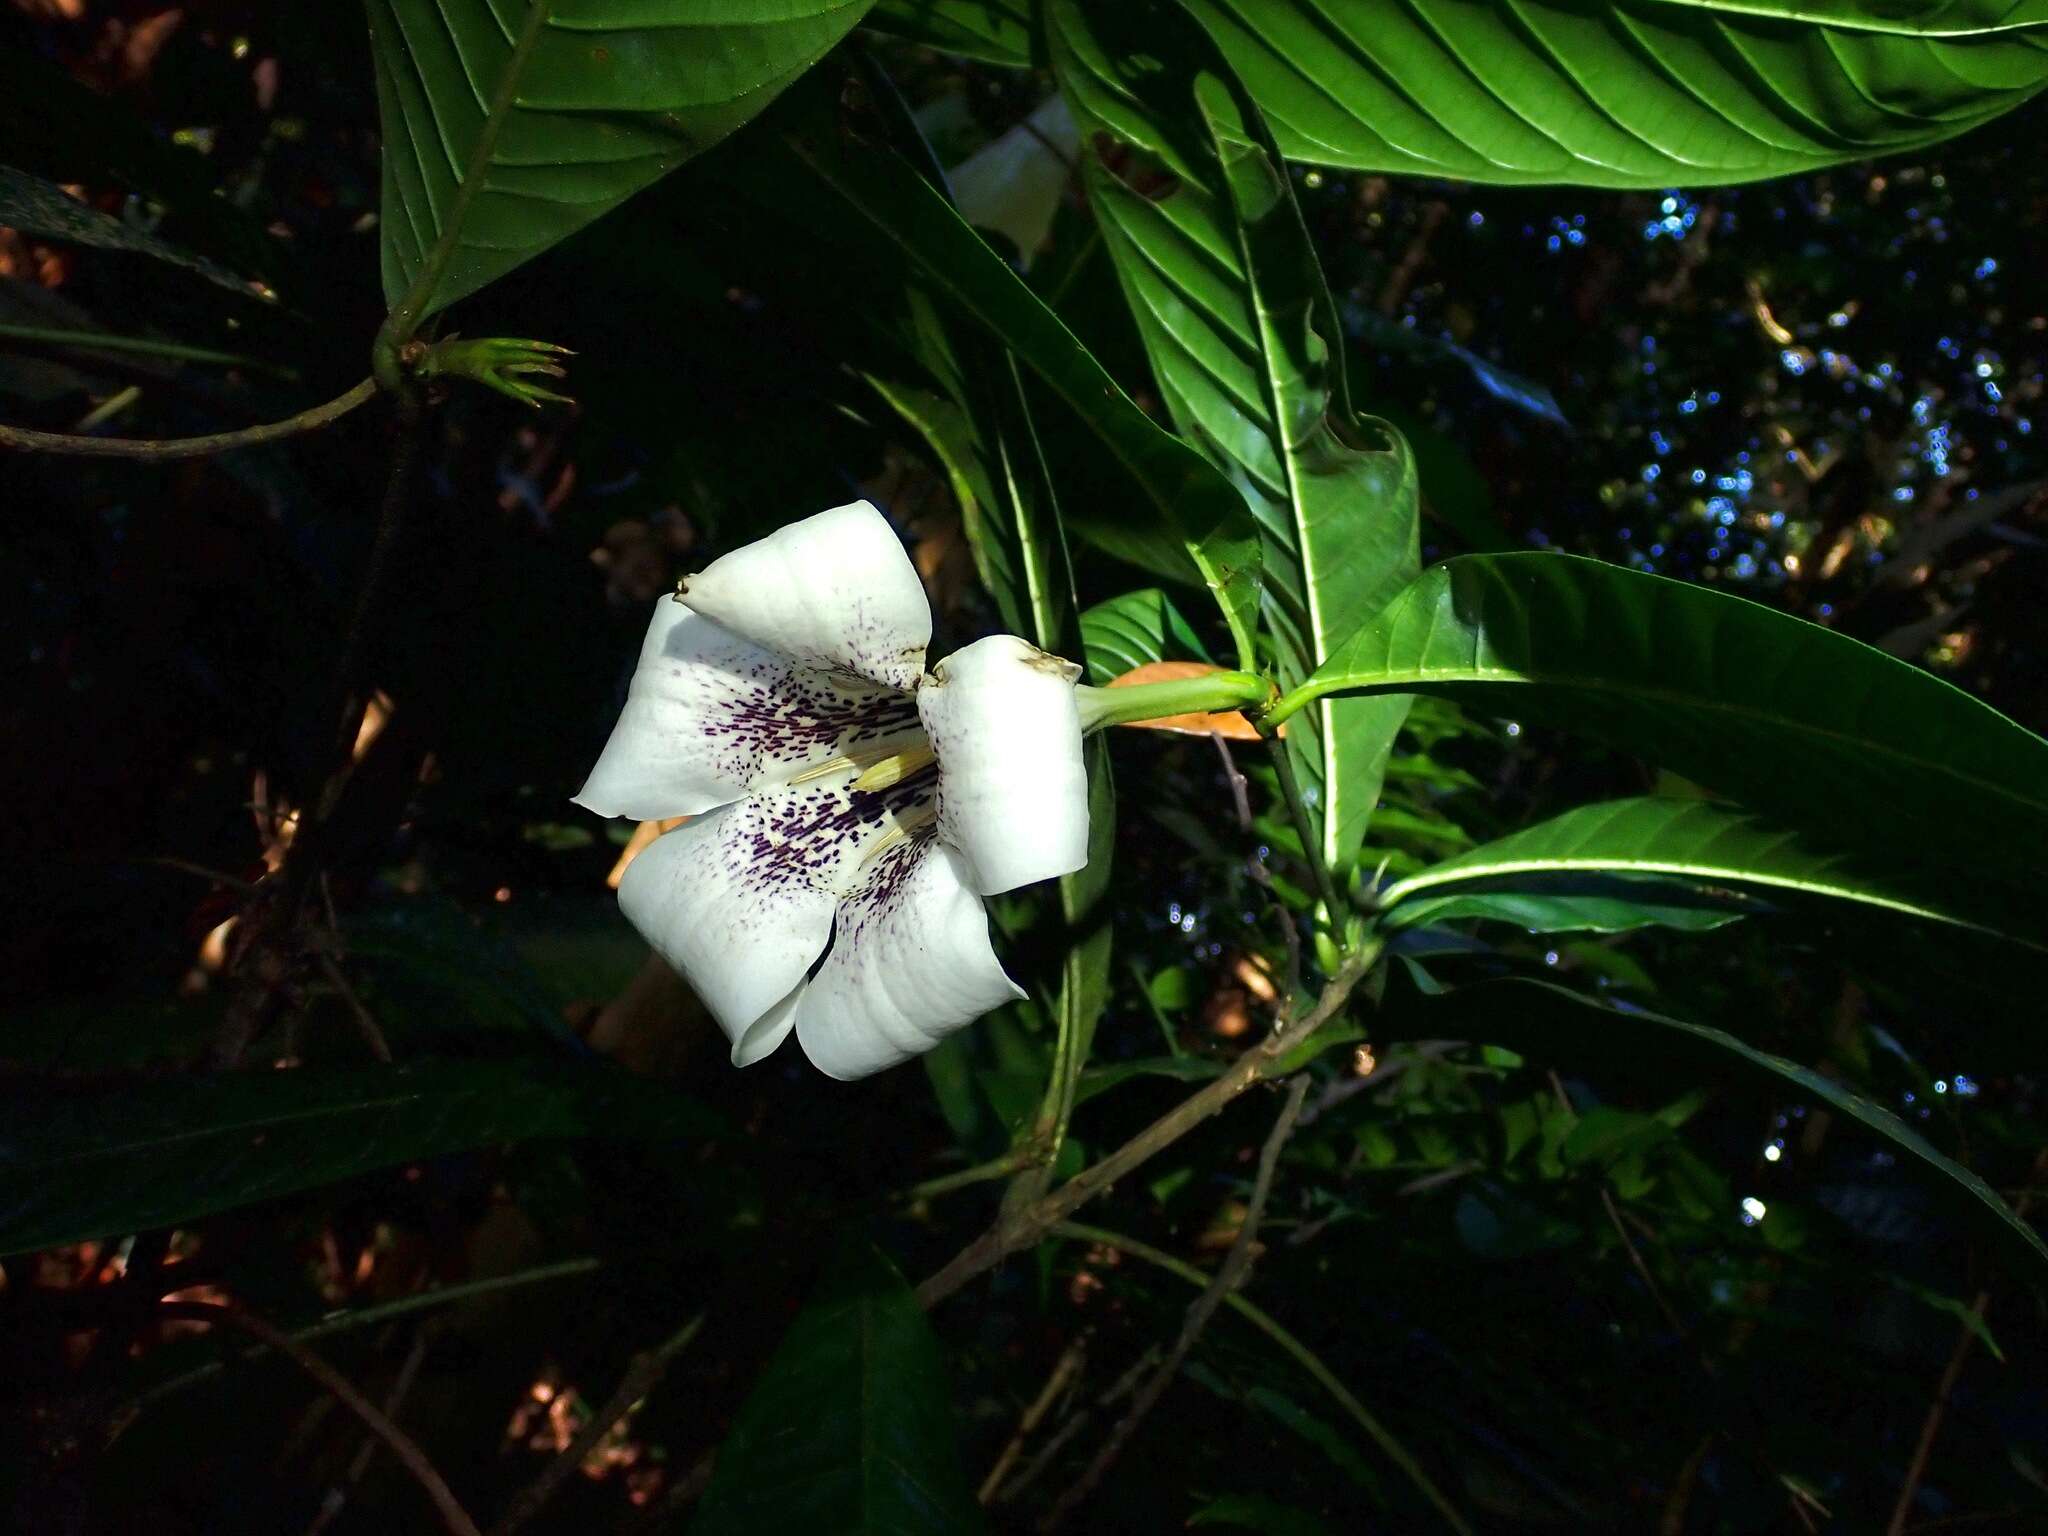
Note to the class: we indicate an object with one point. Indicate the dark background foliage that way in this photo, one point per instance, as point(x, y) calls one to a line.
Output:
point(1536, 1271)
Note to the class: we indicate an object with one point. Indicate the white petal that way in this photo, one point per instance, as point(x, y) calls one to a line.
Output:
point(1013, 792)
point(911, 962)
point(1015, 183)
point(711, 716)
point(739, 928)
point(833, 590)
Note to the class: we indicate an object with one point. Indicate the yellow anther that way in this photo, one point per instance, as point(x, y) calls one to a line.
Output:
point(895, 768)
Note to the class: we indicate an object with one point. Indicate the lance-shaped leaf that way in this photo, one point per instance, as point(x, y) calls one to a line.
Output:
point(849, 1431)
point(35, 207)
point(85, 1161)
point(1010, 509)
point(1669, 839)
point(1945, 799)
point(1554, 1024)
point(1648, 93)
point(509, 126)
point(1220, 274)
point(1195, 523)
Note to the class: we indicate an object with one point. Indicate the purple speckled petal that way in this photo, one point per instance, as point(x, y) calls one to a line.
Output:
point(911, 962)
point(1007, 730)
point(712, 716)
point(834, 590)
point(742, 941)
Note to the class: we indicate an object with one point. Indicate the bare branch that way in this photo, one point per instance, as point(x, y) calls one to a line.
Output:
point(453, 1516)
point(643, 1374)
point(1229, 1276)
point(1023, 1227)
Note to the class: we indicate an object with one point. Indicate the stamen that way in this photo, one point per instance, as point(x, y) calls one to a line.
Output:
point(906, 826)
point(874, 763)
point(895, 768)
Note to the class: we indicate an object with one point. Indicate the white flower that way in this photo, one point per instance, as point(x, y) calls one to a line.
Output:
point(862, 806)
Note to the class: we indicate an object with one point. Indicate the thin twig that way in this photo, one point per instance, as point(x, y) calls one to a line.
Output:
point(1301, 1354)
point(1239, 786)
point(1064, 1370)
point(366, 1022)
point(643, 1374)
point(160, 449)
point(349, 1321)
point(1229, 1276)
point(1254, 866)
point(1023, 1227)
point(1951, 1374)
point(1120, 1389)
point(337, 1496)
point(453, 1516)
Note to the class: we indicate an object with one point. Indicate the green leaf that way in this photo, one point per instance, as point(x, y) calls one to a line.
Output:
point(1127, 632)
point(994, 31)
point(35, 207)
point(1582, 904)
point(1809, 727)
point(1011, 514)
point(849, 1431)
point(1244, 340)
point(1652, 836)
point(1547, 1022)
point(508, 127)
point(86, 1162)
point(1198, 523)
point(1644, 94)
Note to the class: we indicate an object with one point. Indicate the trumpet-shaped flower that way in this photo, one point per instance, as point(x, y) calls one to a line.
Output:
point(859, 807)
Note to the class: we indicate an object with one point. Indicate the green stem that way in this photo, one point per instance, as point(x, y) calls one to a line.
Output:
point(1311, 845)
point(98, 341)
point(159, 449)
point(1012, 1161)
point(1291, 703)
point(1208, 694)
point(1303, 1356)
point(405, 317)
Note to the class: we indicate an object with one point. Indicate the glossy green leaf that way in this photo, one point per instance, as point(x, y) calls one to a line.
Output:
point(509, 126)
point(1581, 904)
point(1130, 631)
point(89, 1161)
point(1243, 339)
point(1651, 93)
point(994, 31)
point(1549, 1023)
point(1689, 840)
point(1196, 522)
point(1850, 746)
point(1646, 93)
point(849, 1431)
